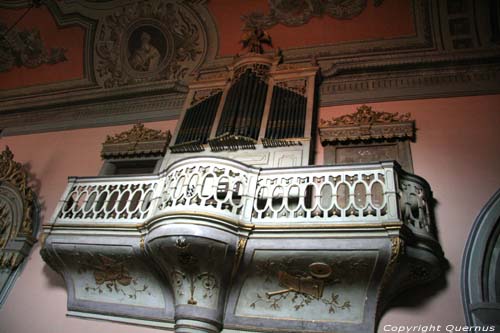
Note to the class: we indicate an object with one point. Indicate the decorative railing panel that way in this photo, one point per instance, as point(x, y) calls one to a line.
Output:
point(222, 187)
point(328, 195)
point(110, 199)
point(325, 194)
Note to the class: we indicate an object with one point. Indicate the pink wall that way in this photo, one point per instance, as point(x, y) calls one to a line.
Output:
point(457, 151)
point(37, 303)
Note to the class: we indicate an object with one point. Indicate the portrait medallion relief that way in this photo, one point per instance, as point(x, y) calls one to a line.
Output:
point(148, 41)
point(148, 47)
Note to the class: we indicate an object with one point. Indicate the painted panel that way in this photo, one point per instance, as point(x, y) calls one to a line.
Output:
point(307, 285)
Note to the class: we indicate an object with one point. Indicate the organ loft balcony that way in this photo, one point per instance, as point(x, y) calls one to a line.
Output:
point(236, 230)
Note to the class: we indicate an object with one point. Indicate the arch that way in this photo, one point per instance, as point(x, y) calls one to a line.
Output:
point(481, 267)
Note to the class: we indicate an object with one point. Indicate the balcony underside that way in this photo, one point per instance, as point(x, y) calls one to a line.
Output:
point(212, 244)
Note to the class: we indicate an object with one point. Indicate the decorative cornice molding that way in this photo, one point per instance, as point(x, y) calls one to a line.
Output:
point(366, 124)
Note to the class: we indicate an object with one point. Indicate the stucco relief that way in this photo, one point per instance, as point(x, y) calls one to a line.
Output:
point(299, 12)
point(26, 48)
point(143, 42)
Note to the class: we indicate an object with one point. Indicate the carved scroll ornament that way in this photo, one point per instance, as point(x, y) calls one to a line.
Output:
point(139, 140)
point(366, 124)
point(16, 211)
point(299, 12)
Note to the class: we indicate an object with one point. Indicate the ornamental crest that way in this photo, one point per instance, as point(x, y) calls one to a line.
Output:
point(137, 141)
point(148, 41)
point(366, 116)
point(366, 124)
point(138, 133)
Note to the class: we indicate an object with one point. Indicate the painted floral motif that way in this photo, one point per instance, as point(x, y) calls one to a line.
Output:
point(111, 275)
point(304, 284)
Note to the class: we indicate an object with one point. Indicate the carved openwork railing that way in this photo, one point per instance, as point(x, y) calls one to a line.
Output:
point(108, 199)
point(377, 192)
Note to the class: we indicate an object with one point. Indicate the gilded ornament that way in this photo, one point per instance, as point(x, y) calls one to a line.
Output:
point(366, 124)
point(366, 116)
point(138, 141)
point(14, 173)
point(138, 133)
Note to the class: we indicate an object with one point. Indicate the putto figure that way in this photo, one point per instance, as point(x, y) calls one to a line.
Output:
point(146, 57)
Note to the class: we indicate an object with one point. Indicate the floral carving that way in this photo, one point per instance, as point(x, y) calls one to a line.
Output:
point(137, 141)
point(26, 48)
point(299, 12)
point(138, 133)
point(147, 41)
point(366, 116)
point(366, 124)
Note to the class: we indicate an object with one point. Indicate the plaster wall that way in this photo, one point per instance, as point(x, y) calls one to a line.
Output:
point(456, 151)
point(37, 303)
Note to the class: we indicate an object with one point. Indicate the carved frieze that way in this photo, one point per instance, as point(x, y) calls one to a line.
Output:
point(138, 141)
point(296, 13)
point(366, 124)
point(25, 48)
point(148, 41)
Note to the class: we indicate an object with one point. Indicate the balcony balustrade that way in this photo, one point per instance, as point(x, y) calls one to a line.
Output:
point(211, 244)
point(376, 193)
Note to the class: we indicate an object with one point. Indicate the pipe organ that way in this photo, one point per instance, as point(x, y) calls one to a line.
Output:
point(258, 111)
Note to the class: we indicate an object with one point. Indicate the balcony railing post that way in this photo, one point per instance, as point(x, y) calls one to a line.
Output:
point(64, 199)
point(157, 195)
point(391, 194)
point(250, 197)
